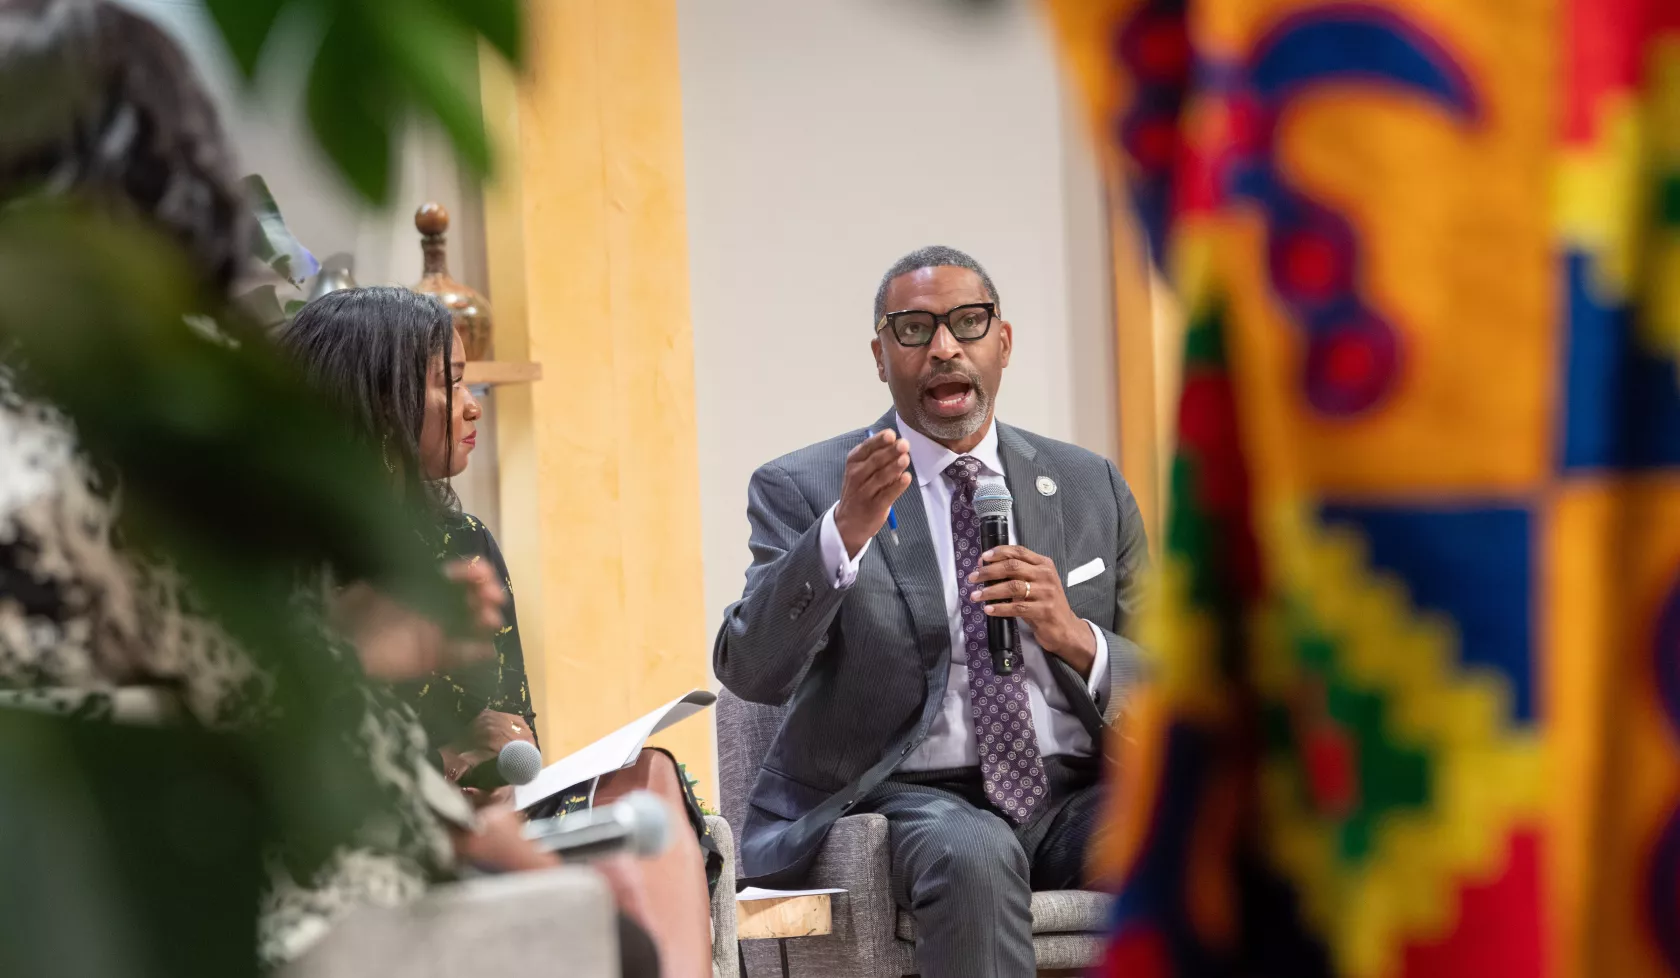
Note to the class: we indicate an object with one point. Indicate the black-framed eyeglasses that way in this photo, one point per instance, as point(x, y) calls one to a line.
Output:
point(917, 327)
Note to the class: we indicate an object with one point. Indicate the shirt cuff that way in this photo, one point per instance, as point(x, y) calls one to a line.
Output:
point(1098, 683)
point(843, 571)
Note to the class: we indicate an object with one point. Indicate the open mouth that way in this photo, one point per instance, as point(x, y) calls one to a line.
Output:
point(949, 398)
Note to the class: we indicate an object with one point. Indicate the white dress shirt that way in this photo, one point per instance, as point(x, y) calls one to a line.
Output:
point(950, 741)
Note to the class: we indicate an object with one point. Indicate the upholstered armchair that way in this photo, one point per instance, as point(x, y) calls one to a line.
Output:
point(872, 938)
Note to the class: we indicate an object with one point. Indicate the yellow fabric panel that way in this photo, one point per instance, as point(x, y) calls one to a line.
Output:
point(601, 469)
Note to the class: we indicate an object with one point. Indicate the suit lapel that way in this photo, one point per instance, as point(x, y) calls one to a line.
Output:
point(1038, 518)
point(1039, 528)
point(915, 568)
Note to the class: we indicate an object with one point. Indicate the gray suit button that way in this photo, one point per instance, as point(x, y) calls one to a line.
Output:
point(905, 751)
point(802, 602)
point(847, 806)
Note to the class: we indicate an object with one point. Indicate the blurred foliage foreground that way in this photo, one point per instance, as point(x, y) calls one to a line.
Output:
point(130, 851)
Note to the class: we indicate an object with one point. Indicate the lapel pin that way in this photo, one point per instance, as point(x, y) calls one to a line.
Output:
point(1046, 486)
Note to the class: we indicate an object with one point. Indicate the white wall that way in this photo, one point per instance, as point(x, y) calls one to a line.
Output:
point(824, 139)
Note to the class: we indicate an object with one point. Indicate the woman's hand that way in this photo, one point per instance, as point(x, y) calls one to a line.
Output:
point(457, 761)
point(492, 731)
point(485, 594)
point(395, 643)
point(479, 798)
point(498, 845)
point(481, 742)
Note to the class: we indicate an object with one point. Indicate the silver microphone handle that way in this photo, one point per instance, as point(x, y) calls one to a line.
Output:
point(637, 824)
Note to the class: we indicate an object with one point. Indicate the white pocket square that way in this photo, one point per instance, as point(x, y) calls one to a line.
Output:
point(1084, 572)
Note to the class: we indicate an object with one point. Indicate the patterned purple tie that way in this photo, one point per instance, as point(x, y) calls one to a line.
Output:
point(1003, 729)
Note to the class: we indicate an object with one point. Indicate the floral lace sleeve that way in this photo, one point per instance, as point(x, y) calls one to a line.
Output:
point(448, 702)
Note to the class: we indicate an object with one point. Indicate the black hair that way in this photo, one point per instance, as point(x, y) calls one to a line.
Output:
point(932, 256)
point(101, 104)
point(368, 350)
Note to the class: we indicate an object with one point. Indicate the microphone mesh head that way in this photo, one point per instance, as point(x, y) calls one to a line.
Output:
point(992, 499)
point(519, 762)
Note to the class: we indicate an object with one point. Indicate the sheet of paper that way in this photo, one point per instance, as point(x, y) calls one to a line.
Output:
point(616, 750)
point(759, 893)
point(681, 709)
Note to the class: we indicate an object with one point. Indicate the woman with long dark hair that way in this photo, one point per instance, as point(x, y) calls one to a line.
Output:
point(388, 358)
point(393, 363)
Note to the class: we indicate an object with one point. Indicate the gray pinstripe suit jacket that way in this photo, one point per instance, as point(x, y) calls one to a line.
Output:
point(856, 667)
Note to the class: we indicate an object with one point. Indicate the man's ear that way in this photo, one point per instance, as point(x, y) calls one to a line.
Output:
point(1006, 336)
point(880, 363)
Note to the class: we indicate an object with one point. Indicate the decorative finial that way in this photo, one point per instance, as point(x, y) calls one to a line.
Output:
point(469, 310)
point(431, 219)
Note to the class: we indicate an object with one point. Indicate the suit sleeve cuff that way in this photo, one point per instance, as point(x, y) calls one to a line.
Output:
point(843, 571)
point(1097, 683)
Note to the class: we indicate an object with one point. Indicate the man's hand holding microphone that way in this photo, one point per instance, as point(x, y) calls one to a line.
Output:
point(1013, 580)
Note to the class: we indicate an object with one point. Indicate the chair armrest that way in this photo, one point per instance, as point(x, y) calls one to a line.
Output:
point(550, 922)
point(855, 857)
point(725, 962)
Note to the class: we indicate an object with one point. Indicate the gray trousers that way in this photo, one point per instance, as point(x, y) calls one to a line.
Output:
point(966, 873)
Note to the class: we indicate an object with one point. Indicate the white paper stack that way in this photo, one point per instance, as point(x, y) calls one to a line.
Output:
point(613, 752)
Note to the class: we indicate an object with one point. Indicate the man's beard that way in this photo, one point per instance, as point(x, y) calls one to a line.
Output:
point(955, 429)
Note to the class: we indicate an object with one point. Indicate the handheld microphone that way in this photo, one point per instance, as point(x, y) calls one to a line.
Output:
point(518, 763)
point(1003, 639)
point(636, 824)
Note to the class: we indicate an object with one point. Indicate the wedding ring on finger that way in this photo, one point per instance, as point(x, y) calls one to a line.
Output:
point(1027, 596)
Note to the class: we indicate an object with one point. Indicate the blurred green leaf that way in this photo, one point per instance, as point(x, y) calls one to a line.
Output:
point(500, 22)
point(246, 26)
point(440, 61)
point(134, 852)
point(377, 63)
point(272, 242)
point(351, 109)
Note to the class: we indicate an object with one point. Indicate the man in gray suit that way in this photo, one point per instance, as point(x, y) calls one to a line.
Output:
point(877, 638)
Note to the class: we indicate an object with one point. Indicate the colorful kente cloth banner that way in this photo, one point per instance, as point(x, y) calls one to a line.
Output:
point(1414, 706)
